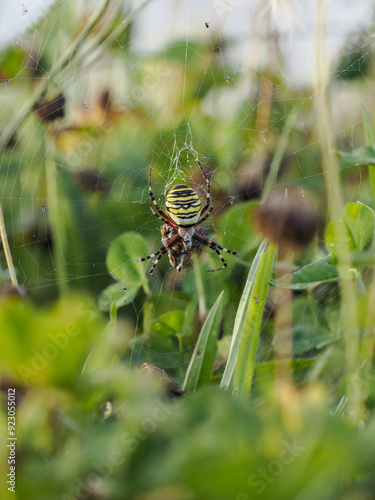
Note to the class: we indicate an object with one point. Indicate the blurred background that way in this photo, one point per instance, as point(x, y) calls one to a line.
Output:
point(93, 94)
point(152, 85)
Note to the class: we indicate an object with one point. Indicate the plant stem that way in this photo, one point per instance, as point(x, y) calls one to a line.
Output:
point(57, 67)
point(69, 56)
point(370, 142)
point(283, 303)
point(199, 286)
point(56, 221)
point(279, 154)
point(8, 255)
point(335, 201)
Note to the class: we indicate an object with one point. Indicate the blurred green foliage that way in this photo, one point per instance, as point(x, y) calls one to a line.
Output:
point(208, 445)
point(89, 423)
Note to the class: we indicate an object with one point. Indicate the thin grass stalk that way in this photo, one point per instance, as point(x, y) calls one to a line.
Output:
point(368, 336)
point(370, 142)
point(53, 217)
point(95, 48)
point(74, 47)
point(92, 51)
point(279, 154)
point(8, 255)
point(199, 286)
point(57, 67)
point(71, 55)
point(335, 201)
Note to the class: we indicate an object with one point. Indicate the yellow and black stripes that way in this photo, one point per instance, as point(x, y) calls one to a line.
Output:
point(183, 205)
point(185, 209)
point(162, 215)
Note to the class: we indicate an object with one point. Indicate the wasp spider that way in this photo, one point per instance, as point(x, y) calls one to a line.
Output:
point(182, 232)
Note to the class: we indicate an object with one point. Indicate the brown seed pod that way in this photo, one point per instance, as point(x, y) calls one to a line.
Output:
point(287, 219)
point(91, 181)
point(9, 291)
point(49, 110)
point(172, 388)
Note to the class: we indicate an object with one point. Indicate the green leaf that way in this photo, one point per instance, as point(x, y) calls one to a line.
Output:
point(266, 370)
point(236, 232)
point(189, 317)
point(369, 135)
point(240, 366)
point(240, 320)
point(130, 274)
point(47, 346)
point(310, 276)
point(202, 361)
point(360, 156)
point(308, 333)
point(357, 226)
point(245, 359)
point(159, 350)
point(12, 61)
point(106, 349)
point(361, 223)
point(116, 294)
point(338, 227)
point(169, 323)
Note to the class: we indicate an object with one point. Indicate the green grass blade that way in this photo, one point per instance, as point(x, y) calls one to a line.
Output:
point(369, 135)
point(241, 315)
point(262, 284)
point(249, 336)
point(369, 142)
point(202, 361)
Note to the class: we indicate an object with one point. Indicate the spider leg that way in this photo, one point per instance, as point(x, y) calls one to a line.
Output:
point(205, 217)
point(216, 247)
point(222, 260)
point(165, 217)
point(162, 250)
point(156, 262)
point(164, 220)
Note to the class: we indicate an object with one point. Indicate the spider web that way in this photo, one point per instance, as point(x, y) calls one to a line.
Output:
point(185, 81)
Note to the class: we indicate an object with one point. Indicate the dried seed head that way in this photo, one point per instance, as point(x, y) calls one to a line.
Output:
point(287, 218)
point(91, 181)
point(9, 291)
point(173, 389)
point(50, 110)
